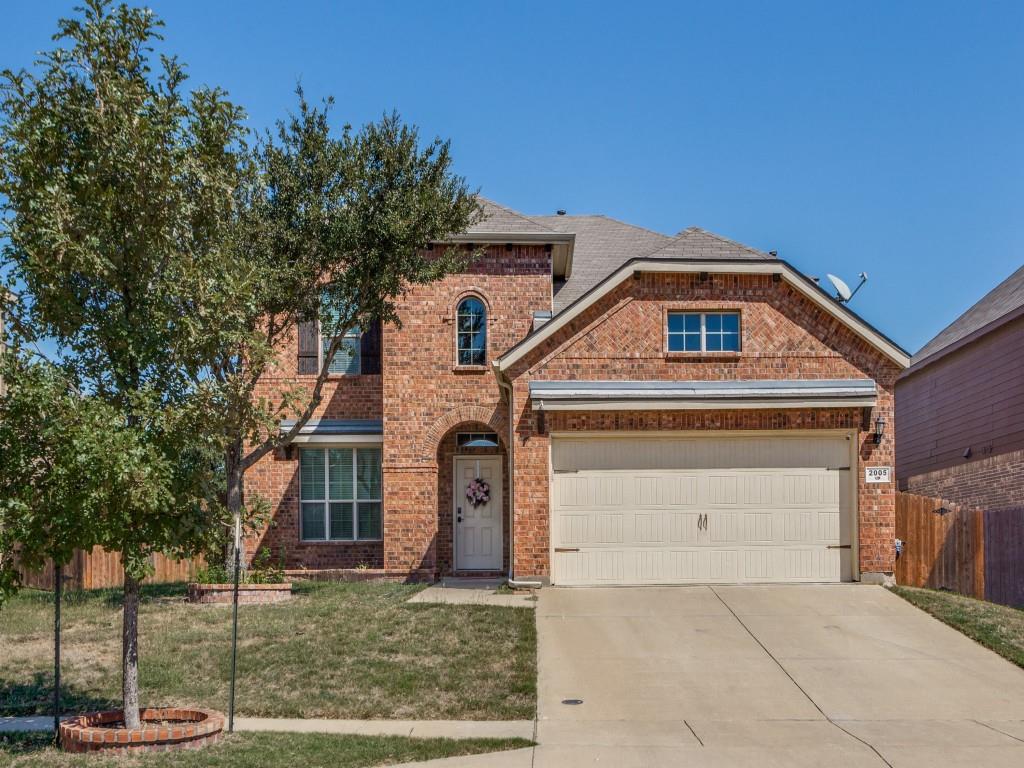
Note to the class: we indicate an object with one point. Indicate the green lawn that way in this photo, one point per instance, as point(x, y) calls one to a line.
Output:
point(336, 650)
point(266, 750)
point(998, 627)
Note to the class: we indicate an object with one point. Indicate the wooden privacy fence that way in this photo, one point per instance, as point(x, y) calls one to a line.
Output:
point(975, 552)
point(99, 568)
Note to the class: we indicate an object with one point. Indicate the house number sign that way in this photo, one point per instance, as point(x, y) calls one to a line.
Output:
point(877, 474)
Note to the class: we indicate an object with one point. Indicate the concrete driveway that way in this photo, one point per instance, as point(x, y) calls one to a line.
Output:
point(838, 675)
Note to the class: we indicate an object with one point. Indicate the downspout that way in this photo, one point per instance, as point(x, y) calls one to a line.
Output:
point(506, 387)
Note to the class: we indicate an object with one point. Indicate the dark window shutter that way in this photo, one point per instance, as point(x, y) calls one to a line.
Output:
point(309, 347)
point(370, 347)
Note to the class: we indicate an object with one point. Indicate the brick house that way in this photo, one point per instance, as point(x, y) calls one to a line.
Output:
point(641, 409)
point(960, 406)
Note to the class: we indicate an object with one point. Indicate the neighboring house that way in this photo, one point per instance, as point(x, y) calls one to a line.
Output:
point(960, 406)
point(644, 409)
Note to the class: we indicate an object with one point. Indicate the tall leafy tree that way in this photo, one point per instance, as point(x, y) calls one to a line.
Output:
point(333, 226)
point(118, 190)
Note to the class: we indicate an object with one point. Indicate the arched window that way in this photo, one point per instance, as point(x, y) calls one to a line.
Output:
point(471, 332)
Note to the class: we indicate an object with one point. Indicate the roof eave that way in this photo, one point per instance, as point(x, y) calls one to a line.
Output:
point(525, 238)
point(962, 342)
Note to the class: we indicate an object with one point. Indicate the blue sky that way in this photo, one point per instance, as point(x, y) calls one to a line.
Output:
point(883, 137)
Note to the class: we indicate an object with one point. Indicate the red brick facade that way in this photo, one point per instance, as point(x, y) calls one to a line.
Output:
point(784, 335)
point(424, 399)
point(993, 482)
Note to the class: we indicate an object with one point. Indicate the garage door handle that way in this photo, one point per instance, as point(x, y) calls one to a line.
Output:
point(838, 546)
point(567, 549)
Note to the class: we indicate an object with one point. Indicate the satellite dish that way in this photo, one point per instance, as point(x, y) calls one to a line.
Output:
point(843, 292)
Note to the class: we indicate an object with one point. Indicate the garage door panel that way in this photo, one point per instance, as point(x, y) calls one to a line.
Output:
point(645, 453)
point(700, 525)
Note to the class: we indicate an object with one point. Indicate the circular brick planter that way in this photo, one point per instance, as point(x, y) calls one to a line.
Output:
point(248, 594)
point(162, 729)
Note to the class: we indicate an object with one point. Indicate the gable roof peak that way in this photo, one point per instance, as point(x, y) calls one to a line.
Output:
point(698, 243)
point(1002, 303)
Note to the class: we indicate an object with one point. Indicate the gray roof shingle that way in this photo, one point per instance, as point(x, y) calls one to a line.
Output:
point(696, 243)
point(997, 303)
point(602, 246)
point(497, 219)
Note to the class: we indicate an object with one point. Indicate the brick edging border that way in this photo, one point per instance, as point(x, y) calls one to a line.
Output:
point(189, 729)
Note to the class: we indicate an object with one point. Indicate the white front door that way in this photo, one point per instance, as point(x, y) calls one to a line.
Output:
point(478, 527)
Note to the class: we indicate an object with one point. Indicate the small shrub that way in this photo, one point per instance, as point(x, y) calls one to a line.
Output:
point(260, 571)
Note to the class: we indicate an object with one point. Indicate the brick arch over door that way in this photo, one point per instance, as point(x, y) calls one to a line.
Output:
point(492, 417)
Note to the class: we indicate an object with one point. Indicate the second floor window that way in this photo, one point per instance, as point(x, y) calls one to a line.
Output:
point(346, 358)
point(471, 332)
point(703, 331)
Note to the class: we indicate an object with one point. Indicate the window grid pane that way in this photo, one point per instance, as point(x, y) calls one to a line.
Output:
point(313, 521)
point(340, 473)
point(346, 359)
point(311, 473)
point(341, 520)
point(369, 520)
point(368, 473)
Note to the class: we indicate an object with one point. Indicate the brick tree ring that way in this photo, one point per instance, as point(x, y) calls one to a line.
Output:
point(162, 729)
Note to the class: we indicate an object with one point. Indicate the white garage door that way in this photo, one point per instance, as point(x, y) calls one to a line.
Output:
point(701, 510)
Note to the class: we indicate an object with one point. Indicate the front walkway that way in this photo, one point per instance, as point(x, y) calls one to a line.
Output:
point(845, 675)
point(470, 591)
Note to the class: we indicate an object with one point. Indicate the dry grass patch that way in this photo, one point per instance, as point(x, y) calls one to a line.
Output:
point(335, 650)
point(998, 627)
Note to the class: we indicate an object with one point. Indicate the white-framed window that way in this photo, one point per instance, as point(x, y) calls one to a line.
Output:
point(340, 495)
point(347, 357)
point(471, 332)
point(703, 331)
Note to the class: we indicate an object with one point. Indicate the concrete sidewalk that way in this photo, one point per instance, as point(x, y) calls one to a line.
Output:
point(421, 729)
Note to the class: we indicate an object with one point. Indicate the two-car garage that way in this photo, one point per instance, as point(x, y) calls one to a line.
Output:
point(677, 509)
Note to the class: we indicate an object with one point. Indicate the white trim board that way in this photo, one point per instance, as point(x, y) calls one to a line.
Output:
point(790, 275)
point(698, 405)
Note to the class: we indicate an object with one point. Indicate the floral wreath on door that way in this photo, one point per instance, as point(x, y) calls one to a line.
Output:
point(478, 492)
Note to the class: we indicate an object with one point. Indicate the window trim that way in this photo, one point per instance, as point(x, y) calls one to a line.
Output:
point(462, 297)
point(703, 351)
point(326, 500)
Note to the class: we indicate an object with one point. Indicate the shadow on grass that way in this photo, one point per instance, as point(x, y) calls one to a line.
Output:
point(111, 597)
point(36, 698)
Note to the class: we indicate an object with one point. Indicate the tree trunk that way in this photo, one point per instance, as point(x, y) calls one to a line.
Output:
point(130, 653)
point(234, 499)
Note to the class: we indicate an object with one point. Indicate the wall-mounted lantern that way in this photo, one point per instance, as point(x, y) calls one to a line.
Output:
point(541, 422)
point(879, 429)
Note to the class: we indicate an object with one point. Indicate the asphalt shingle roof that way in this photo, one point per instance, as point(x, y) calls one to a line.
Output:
point(699, 244)
point(1000, 301)
point(602, 246)
point(497, 219)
